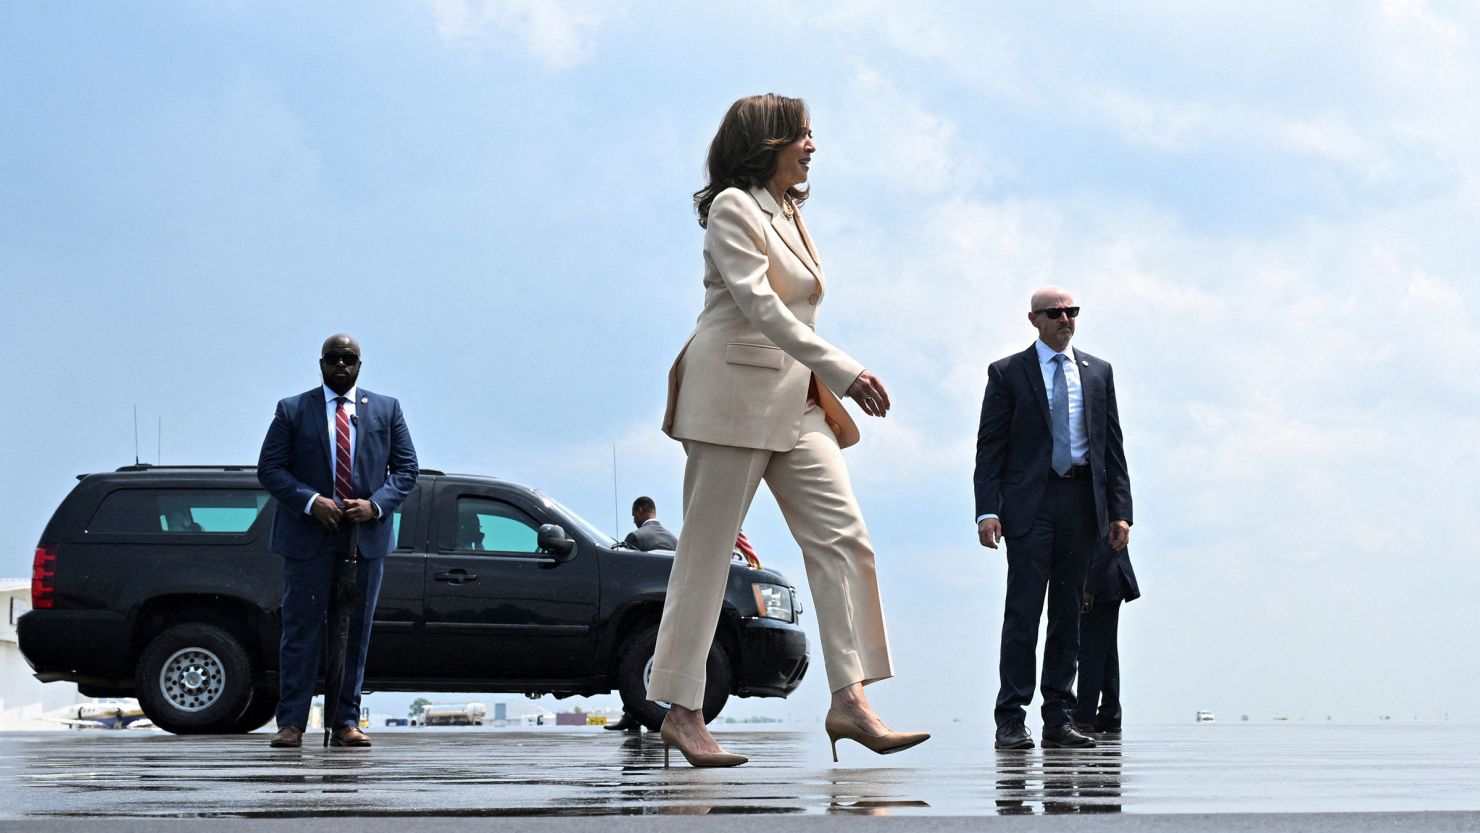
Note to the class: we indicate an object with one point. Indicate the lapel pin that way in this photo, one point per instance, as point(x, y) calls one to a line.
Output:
point(365, 400)
point(1084, 362)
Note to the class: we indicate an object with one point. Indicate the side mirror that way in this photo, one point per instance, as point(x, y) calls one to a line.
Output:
point(552, 539)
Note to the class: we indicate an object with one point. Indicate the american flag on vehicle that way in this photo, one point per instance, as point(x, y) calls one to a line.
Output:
point(746, 551)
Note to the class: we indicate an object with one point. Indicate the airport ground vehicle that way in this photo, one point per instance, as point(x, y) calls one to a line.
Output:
point(156, 582)
point(454, 714)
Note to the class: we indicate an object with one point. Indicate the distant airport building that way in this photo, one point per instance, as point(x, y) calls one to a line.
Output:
point(22, 699)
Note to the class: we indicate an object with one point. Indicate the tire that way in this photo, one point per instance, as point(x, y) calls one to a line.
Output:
point(260, 709)
point(194, 679)
point(636, 664)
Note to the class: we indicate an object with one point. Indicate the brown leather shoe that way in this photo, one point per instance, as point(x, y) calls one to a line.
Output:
point(349, 736)
point(287, 737)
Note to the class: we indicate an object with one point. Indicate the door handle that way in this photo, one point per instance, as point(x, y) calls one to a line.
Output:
point(457, 576)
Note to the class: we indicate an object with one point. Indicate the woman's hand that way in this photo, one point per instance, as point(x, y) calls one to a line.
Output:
point(869, 393)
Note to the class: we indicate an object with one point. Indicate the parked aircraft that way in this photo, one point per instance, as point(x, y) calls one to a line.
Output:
point(104, 713)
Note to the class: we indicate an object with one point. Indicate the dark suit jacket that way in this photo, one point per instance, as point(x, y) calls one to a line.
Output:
point(294, 465)
point(651, 536)
point(1110, 575)
point(1014, 443)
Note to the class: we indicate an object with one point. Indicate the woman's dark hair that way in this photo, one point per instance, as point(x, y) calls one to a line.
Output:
point(743, 153)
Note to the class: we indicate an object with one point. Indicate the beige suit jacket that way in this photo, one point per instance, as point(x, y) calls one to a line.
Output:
point(743, 377)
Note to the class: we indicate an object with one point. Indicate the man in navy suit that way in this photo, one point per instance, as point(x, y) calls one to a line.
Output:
point(334, 456)
point(1111, 581)
point(1051, 478)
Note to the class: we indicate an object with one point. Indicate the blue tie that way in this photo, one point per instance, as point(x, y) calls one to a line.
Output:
point(1061, 458)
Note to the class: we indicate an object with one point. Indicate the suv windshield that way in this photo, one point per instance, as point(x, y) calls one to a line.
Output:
point(601, 538)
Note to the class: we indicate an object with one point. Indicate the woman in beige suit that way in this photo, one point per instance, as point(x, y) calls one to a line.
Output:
point(751, 398)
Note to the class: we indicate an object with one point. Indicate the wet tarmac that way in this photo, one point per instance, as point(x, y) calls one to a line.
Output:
point(1189, 770)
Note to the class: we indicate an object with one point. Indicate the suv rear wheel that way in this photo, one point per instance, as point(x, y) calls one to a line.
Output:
point(636, 668)
point(194, 679)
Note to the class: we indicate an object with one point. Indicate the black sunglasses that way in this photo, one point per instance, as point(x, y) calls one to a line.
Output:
point(346, 359)
point(1055, 312)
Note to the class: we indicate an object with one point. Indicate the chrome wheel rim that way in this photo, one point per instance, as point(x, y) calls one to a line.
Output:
point(192, 679)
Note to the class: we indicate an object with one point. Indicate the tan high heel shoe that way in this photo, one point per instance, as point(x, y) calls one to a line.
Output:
point(839, 725)
point(670, 739)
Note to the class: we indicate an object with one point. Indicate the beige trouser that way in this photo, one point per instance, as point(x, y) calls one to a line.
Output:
point(811, 486)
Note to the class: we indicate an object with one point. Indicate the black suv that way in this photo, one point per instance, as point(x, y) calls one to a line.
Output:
point(157, 582)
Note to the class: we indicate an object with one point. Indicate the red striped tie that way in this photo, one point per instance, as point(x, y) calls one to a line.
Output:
point(343, 481)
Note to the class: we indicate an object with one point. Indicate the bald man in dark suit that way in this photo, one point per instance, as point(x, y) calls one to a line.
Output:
point(1051, 479)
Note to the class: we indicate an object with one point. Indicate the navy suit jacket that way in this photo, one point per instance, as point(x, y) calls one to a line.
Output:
point(294, 465)
point(1014, 443)
point(1110, 575)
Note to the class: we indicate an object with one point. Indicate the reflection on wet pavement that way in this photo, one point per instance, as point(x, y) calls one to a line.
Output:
point(1178, 769)
point(1083, 781)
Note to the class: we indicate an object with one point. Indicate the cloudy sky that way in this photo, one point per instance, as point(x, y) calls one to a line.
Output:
point(1267, 210)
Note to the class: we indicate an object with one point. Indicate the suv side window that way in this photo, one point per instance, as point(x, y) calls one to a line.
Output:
point(405, 534)
point(178, 511)
point(486, 525)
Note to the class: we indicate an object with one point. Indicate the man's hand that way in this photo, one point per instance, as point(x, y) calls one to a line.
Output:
point(1089, 603)
point(326, 512)
point(1120, 535)
point(358, 511)
point(869, 393)
point(989, 531)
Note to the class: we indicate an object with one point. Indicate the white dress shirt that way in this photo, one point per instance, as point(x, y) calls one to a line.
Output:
point(331, 414)
point(1078, 428)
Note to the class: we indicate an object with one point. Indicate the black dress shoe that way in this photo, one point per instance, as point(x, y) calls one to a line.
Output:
point(1014, 736)
point(287, 737)
point(1085, 728)
point(1065, 737)
point(1106, 730)
point(628, 723)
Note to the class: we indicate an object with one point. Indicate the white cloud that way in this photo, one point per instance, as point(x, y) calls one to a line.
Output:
point(557, 33)
point(1167, 125)
point(1429, 74)
point(1011, 58)
point(882, 134)
point(1334, 139)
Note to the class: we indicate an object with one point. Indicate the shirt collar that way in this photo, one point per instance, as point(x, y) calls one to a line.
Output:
point(1046, 353)
point(351, 395)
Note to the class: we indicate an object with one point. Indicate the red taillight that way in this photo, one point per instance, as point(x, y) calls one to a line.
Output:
point(44, 578)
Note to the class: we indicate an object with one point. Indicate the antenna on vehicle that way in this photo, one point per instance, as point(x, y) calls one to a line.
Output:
point(159, 443)
point(136, 433)
point(616, 516)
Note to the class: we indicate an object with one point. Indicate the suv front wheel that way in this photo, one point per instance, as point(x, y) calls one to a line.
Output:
point(636, 668)
point(259, 710)
point(194, 679)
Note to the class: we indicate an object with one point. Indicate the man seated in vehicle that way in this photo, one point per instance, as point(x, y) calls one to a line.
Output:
point(649, 534)
point(179, 520)
point(469, 532)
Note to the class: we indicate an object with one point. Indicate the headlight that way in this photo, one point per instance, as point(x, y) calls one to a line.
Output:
point(773, 601)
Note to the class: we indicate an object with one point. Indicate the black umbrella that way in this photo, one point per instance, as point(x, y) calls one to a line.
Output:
point(344, 595)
